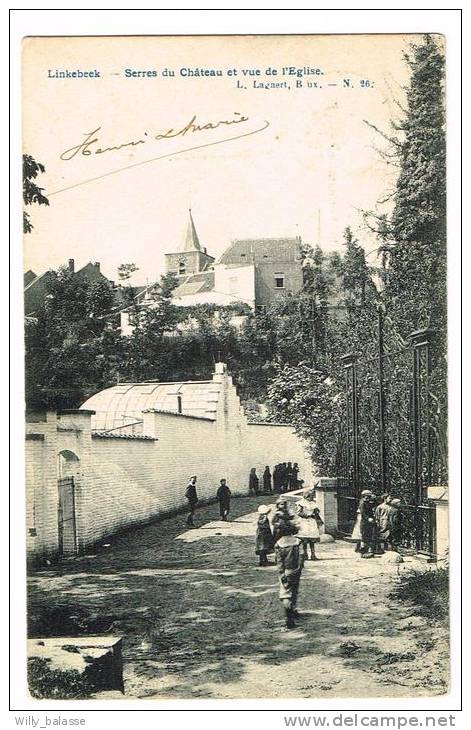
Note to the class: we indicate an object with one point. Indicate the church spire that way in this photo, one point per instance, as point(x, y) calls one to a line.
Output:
point(192, 242)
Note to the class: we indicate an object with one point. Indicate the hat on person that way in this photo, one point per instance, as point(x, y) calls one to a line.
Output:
point(307, 503)
point(264, 509)
point(395, 502)
point(281, 500)
point(366, 493)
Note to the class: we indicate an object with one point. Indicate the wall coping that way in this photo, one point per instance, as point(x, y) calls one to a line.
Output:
point(267, 423)
point(179, 415)
point(128, 436)
point(75, 412)
point(324, 485)
point(438, 494)
point(36, 417)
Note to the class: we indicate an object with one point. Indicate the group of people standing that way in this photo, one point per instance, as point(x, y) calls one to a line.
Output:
point(223, 496)
point(378, 526)
point(290, 529)
point(285, 478)
point(292, 537)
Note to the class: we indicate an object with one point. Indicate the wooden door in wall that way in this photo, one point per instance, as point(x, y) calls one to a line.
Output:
point(66, 517)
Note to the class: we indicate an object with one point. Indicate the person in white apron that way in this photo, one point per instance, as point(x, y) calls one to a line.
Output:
point(309, 522)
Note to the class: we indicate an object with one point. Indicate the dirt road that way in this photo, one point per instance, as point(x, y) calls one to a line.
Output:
point(200, 619)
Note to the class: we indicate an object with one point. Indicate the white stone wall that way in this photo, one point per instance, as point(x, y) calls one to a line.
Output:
point(236, 282)
point(231, 284)
point(270, 444)
point(41, 486)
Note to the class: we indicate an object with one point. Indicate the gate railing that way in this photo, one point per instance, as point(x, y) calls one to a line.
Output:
point(392, 436)
point(419, 529)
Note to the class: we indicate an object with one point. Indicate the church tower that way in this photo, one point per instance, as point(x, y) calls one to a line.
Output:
point(192, 257)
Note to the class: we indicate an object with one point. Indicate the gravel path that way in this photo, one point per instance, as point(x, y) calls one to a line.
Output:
point(200, 619)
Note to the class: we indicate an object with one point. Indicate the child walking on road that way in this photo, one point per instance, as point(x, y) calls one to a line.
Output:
point(290, 560)
point(264, 539)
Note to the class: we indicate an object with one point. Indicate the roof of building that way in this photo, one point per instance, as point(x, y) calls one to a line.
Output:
point(258, 250)
point(28, 277)
point(120, 407)
point(38, 279)
point(192, 242)
point(85, 271)
point(195, 284)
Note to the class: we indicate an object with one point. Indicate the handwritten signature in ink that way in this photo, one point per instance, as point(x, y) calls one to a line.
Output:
point(89, 145)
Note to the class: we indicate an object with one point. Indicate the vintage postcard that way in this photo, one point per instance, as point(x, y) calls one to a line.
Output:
point(236, 378)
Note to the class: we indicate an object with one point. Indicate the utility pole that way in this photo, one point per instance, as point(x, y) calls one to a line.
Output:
point(313, 331)
point(382, 424)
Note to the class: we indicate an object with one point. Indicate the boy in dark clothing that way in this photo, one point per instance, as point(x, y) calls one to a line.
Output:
point(284, 476)
point(267, 480)
point(277, 479)
point(192, 498)
point(366, 509)
point(224, 496)
point(395, 524)
point(253, 482)
point(382, 523)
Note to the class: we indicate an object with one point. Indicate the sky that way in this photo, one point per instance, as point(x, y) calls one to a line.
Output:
point(297, 161)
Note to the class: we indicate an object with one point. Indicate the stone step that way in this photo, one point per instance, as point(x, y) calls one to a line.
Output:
point(97, 658)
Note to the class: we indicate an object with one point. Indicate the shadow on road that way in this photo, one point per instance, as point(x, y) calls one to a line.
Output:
point(196, 617)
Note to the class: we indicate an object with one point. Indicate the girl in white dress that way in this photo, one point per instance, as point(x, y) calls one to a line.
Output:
point(309, 522)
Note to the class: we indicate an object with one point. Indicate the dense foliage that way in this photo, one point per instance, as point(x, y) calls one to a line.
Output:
point(429, 591)
point(70, 349)
point(304, 397)
point(32, 193)
point(413, 235)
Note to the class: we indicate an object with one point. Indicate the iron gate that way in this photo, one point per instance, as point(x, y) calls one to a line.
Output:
point(392, 434)
point(66, 517)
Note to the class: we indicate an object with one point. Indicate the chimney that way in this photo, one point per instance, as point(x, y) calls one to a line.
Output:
point(71, 265)
point(96, 264)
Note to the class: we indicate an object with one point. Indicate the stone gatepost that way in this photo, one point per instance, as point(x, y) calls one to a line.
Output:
point(439, 497)
point(326, 497)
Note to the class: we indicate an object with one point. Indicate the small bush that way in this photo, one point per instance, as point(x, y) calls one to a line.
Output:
point(46, 683)
point(429, 591)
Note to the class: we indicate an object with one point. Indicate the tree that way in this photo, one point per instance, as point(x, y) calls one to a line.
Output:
point(31, 192)
point(413, 236)
point(304, 397)
point(71, 349)
point(125, 271)
point(314, 304)
point(355, 272)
